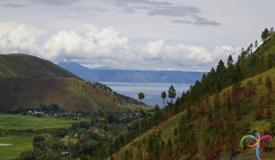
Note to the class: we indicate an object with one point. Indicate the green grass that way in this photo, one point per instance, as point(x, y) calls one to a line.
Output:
point(22, 65)
point(19, 145)
point(21, 122)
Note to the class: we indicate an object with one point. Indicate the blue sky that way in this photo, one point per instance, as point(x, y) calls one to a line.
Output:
point(133, 34)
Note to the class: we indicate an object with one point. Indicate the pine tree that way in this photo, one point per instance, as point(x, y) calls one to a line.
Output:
point(217, 102)
point(220, 71)
point(171, 93)
point(202, 107)
point(184, 134)
point(230, 61)
point(250, 88)
point(163, 96)
point(256, 44)
point(249, 49)
point(268, 83)
point(128, 155)
point(265, 34)
point(155, 145)
point(271, 32)
point(228, 80)
point(272, 127)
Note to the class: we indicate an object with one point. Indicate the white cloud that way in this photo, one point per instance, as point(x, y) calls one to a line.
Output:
point(104, 42)
point(64, 42)
point(93, 43)
point(18, 37)
point(95, 47)
point(155, 47)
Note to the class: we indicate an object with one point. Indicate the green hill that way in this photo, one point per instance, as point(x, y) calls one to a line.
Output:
point(208, 121)
point(28, 82)
point(22, 65)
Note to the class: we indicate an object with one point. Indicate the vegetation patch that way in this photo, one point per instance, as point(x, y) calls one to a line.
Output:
point(21, 122)
point(17, 145)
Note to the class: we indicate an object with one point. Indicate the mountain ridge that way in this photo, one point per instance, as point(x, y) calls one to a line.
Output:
point(29, 82)
point(24, 65)
point(121, 75)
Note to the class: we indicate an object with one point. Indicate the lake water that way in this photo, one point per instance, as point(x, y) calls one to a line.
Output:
point(152, 91)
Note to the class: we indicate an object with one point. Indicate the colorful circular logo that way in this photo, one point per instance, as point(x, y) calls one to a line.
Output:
point(255, 142)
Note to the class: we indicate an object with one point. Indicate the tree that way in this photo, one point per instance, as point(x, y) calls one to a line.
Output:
point(271, 61)
point(228, 79)
point(230, 61)
point(220, 71)
point(202, 108)
point(260, 80)
point(271, 32)
point(236, 91)
point(250, 47)
point(163, 96)
point(244, 53)
point(172, 93)
point(141, 96)
point(217, 101)
point(250, 89)
point(28, 155)
point(259, 114)
point(272, 127)
point(265, 34)
point(220, 67)
point(184, 134)
point(268, 83)
point(238, 74)
point(128, 155)
point(154, 145)
point(256, 44)
point(158, 114)
point(112, 158)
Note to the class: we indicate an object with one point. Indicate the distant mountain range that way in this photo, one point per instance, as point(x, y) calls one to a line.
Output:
point(118, 75)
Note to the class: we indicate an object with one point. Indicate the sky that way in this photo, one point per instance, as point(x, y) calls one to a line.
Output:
point(133, 34)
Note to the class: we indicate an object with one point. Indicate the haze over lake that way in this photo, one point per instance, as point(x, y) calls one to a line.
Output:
point(152, 90)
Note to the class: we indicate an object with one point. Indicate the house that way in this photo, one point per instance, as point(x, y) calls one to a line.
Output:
point(36, 113)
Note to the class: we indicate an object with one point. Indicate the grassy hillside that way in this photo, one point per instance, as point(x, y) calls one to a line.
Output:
point(22, 65)
point(69, 93)
point(208, 121)
point(27, 82)
point(139, 146)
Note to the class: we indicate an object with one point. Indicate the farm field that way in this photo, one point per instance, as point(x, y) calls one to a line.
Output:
point(21, 122)
point(15, 146)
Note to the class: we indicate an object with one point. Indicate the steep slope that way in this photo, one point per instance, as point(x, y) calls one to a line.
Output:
point(117, 75)
point(28, 82)
point(249, 122)
point(209, 120)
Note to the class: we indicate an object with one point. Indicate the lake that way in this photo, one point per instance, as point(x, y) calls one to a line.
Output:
point(152, 91)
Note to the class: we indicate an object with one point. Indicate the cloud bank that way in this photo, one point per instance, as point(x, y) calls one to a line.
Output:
point(182, 13)
point(95, 47)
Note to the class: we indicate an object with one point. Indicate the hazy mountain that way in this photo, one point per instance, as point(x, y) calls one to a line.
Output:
point(118, 75)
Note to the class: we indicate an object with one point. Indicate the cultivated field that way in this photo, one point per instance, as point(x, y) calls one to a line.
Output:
point(13, 146)
point(21, 122)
